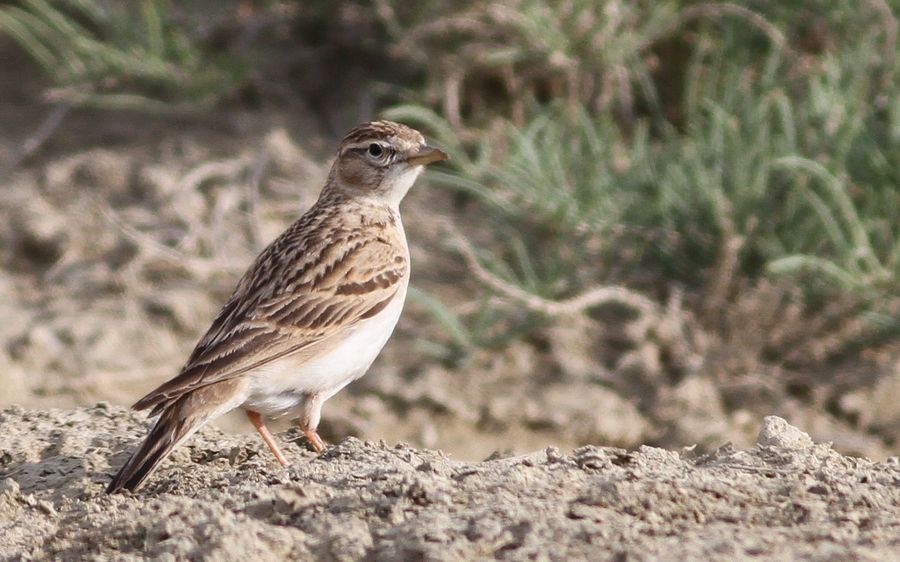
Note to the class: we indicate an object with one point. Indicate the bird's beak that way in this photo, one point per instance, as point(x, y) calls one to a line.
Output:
point(427, 155)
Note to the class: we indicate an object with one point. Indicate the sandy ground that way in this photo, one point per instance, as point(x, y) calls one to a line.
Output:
point(222, 497)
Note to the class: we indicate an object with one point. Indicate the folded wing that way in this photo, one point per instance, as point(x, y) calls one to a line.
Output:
point(289, 301)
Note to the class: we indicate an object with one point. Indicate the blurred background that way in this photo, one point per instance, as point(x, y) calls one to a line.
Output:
point(662, 220)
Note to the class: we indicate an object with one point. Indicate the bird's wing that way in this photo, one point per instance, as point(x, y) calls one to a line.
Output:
point(286, 303)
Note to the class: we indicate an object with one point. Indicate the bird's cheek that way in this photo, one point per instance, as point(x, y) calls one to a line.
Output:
point(353, 174)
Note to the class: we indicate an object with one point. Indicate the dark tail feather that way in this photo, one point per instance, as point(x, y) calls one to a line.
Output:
point(171, 428)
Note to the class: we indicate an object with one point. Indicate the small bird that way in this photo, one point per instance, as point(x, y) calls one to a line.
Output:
point(310, 314)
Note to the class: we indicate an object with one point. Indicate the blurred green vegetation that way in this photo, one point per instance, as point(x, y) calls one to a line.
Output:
point(676, 145)
point(704, 146)
point(123, 57)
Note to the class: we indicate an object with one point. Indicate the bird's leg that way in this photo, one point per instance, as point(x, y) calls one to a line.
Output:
point(313, 437)
point(257, 422)
point(310, 415)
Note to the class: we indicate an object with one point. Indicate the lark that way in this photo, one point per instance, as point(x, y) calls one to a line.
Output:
point(311, 313)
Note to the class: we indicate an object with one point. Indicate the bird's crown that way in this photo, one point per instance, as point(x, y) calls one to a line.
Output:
point(396, 134)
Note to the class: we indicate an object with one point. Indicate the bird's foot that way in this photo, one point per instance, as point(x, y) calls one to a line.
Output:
point(313, 437)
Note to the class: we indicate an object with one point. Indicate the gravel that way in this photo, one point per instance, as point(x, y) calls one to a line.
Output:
point(222, 497)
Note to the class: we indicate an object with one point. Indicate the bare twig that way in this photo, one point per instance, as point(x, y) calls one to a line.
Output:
point(589, 299)
point(717, 10)
point(260, 163)
point(453, 85)
point(211, 170)
point(139, 238)
point(40, 136)
point(889, 52)
point(726, 265)
point(198, 265)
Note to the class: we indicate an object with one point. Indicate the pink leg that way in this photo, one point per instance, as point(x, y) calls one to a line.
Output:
point(313, 437)
point(257, 422)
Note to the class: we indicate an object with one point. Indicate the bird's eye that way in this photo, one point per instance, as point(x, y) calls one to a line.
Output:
point(375, 150)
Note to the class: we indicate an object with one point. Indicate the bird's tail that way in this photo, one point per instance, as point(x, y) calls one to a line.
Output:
point(176, 423)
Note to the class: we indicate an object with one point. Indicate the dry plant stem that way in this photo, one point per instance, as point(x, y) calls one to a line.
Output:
point(257, 172)
point(726, 266)
point(213, 170)
point(575, 305)
point(889, 52)
point(199, 266)
point(451, 100)
point(228, 170)
point(142, 240)
point(711, 10)
point(41, 135)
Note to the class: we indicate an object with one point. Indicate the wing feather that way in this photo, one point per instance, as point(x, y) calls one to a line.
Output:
point(291, 299)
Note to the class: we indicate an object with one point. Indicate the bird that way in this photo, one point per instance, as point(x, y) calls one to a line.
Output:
point(310, 314)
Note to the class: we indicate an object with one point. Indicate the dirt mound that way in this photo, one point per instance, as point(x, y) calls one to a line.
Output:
point(222, 497)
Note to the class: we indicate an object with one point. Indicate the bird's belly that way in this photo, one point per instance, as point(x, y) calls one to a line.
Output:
point(282, 386)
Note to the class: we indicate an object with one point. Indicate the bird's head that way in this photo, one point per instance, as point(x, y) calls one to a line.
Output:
point(381, 160)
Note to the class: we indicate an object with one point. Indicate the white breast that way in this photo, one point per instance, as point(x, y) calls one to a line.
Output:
point(279, 387)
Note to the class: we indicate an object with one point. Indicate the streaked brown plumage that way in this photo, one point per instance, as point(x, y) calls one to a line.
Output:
point(311, 312)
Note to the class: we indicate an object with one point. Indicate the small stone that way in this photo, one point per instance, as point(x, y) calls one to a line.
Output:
point(9, 486)
point(776, 432)
point(46, 507)
point(553, 455)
